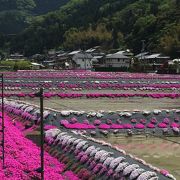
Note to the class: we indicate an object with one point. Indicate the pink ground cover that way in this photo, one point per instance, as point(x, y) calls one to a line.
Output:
point(97, 95)
point(139, 126)
point(79, 126)
point(151, 126)
point(117, 126)
point(22, 158)
point(162, 125)
point(104, 126)
point(175, 125)
point(127, 126)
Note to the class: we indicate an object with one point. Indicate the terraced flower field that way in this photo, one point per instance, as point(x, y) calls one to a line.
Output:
point(83, 106)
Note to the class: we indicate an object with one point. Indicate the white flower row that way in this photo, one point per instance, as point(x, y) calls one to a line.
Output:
point(130, 169)
point(106, 162)
point(17, 104)
point(147, 175)
point(82, 146)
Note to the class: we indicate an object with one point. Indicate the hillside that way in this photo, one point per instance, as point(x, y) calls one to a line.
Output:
point(111, 24)
point(15, 15)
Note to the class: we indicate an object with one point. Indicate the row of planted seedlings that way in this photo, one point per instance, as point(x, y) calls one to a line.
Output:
point(86, 157)
point(158, 122)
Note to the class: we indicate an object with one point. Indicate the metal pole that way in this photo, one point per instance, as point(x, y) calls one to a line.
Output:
point(3, 127)
point(142, 51)
point(42, 134)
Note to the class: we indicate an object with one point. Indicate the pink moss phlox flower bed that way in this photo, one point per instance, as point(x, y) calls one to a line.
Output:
point(84, 74)
point(93, 85)
point(97, 95)
point(64, 121)
point(154, 121)
point(143, 121)
point(117, 126)
point(139, 126)
point(79, 126)
point(174, 125)
point(22, 158)
point(97, 122)
point(128, 126)
point(166, 120)
point(150, 126)
point(162, 125)
point(133, 121)
point(73, 120)
point(104, 126)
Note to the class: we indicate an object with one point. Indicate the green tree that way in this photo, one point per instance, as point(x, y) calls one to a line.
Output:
point(170, 41)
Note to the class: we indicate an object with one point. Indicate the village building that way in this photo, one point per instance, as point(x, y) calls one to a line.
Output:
point(82, 60)
point(117, 60)
point(154, 61)
point(16, 57)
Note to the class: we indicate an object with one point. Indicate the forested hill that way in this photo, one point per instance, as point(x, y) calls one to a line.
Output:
point(111, 24)
point(15, 15)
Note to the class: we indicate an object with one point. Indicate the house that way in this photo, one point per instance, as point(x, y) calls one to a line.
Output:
point(49, 64)
point(97, 54)
point(16, 57)
point(155, 60)
point(82, 60)
point(63, 61)
point(39, 58)
point(117, 60)
point(58, 60)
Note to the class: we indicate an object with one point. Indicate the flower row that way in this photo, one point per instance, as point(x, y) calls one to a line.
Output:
point(100, 125)
point(89, 85)
point(96, 95)
point(168, 125)
point(100, 161)
point(86, 74)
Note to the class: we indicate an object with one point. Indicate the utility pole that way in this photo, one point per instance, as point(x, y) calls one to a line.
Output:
point(40, 95)
point(3, 127)
point(142, 51)
point(42, 134)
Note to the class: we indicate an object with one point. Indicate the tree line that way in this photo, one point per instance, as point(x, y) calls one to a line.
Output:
point(111, 24)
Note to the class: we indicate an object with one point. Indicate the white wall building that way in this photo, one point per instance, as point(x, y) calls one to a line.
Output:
point(117, 60)
point(82, 60)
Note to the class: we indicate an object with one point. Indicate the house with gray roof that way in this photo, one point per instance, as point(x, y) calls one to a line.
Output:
point(82, 60)
point(117, 60)
point(155, 60)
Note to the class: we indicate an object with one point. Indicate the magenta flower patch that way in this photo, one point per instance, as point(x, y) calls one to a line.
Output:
point(139, 126)
point(79, 126)
point(127, 126)
point(23, 158)
point(117, 126)
point(151, 126)
point(162, 125)
point(104, 126)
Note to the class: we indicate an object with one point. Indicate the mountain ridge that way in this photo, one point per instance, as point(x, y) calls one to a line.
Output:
point(111, 24)
point(18, 13)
